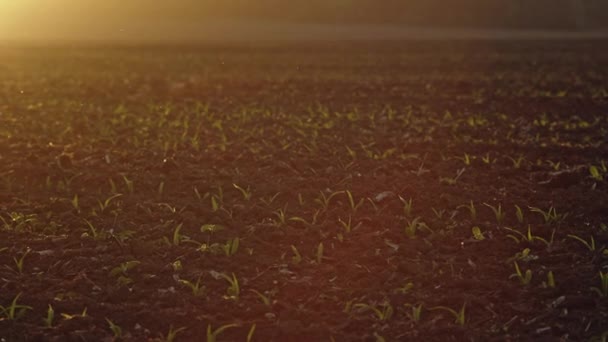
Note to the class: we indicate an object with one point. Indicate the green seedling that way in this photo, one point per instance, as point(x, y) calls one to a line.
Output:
point(198, 195)
point(517, 161)
point(250, 333)
point(113, 188)
point(487, 159)
point(75, 203)
point(20, 262)
point(124, 268)
point(319, 253)
point(523, 255)
point(268, 200)
point(405, 288)
point(379, 337)
point(13, 311)
point(416, 312)
point(348, 227)
point(234, 289)
point(407, 206)
point(550, 280)
point(177, 237)
point(197, 288)
point(420, 170)
point(498, 212)
point(471, 208)
point(128, 184)
point(384, 313)
point(312, 222)
point(68, 317)
point(466, 159)
point(105, 204)
point(324, 201)
point(245, 192)
point(524, 278)
point(172, 334)
point(262, 297)
point(213, 334)
point(477, 233)
point(602, 291)
point(550, 215)
point(438, 213)
point(50, 317)
point(595, 173)
point(459, 316)
point(529, 237)
point(413, 226)
point(231, 246)
point(453, 180)
point(519, 214)
point(297, 257)
point(116, 330)
point(353, 205)
point(590, 245)
point(554, 165)
point(160, 190)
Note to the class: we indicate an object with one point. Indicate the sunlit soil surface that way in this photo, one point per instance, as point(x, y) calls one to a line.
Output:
point(380, 192)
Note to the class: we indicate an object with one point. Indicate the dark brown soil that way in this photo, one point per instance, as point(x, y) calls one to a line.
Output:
point(106, 151)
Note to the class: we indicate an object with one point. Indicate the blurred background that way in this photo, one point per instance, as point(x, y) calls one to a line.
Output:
point(161, 20)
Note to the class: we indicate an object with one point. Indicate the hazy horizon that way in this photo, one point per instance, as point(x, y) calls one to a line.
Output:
point(154, 20)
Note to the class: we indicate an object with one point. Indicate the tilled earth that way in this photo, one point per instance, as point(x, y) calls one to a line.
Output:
point(372, 192)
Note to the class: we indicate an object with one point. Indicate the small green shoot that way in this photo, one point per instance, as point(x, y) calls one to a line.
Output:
point(245, 192)
point(459, 316)
point(213, 334)
point(550, 215)
point(13, 311)
point(319, 252)
point(471, 208)
point(231, 246)
point(595, 173)
point(351, 200)
point(602, 291)
point(590, 245)
point(525, 279)
point(250, 333)
point(416, 312)
point(50, 317)
point(498, 212)
point(297, 257)
point(128, 184)
point(413, 226)
point(20, 262)
point(407, 206)
point(550, 280)
point(116, 330)
point(477, 233)
point(197, 289)
point(172, 334)
point(234, 289)
point(262, 297)
point(519, 214)
point(105, 204)
point(384, 313)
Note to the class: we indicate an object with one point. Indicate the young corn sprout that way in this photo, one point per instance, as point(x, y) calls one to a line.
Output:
point(14, 311)
point(602, 291)
point(498, 212)
point(590, 245)
point(383, 313)
point(459, 316)
point(213, 334)
point(524, 278)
